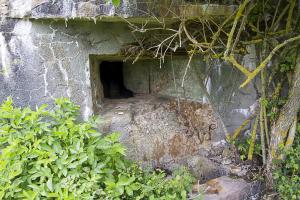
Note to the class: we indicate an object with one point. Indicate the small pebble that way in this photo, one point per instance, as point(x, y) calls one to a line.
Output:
point(226, 162)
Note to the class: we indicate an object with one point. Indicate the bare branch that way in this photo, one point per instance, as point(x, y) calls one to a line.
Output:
point(264, 63)
point(236, 19)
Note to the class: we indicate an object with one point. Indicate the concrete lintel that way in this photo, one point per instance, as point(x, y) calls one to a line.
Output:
point(164, 14)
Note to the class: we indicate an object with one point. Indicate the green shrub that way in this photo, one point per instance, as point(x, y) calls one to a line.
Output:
point(49, 155)
point(287, 175)
point(242, 144)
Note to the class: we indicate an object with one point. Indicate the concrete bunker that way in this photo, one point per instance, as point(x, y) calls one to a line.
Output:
point(55, 49)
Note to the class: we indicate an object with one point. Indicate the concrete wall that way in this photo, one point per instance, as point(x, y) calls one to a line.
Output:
point(99, 9)
point(68, 8)
point(42, 60)
point(165, 79)
point(45, 59)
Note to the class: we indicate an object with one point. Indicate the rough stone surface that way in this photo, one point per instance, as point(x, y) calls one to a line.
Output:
point(157, 135)
point(204, 169)
point(225, 188)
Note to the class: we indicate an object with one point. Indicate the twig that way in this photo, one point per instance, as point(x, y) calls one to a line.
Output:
point(242, 26)
point(280, 17)
point(186, 69)
point(288, 26)
point(195, 42)
point(236, 19)
point(237, 131)
point(252, 142)
point(262, 133)
point(275, 14)
point(264, 63)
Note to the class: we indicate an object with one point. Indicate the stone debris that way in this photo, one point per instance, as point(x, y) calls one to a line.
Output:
point(226, 162)
point(238, 170)
point(226, 188)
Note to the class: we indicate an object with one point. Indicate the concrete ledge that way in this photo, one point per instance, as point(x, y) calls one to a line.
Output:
point(206, 10)
point(135, 11)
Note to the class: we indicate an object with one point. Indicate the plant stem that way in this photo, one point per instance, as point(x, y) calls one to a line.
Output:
point(252, 141)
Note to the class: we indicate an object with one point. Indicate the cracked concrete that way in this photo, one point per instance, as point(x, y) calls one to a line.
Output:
point(45, 60)
point(71, 8)
point(102, 9)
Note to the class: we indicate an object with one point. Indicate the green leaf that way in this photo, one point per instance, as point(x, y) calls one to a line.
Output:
point(50, 185)
point(123, 180)
point(116, 2)
point(53, 195)
point(129, 191)
point(29, 194)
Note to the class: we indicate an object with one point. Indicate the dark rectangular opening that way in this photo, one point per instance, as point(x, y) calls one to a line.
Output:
point(111, 75)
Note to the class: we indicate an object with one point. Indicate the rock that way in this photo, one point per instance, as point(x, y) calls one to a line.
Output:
point(238, 170)
point(226, 188)
point(227, 152)
point(204, 169)
point(226, 162)
point(155, 137)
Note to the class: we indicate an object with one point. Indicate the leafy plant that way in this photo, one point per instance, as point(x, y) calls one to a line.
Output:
point(243, 144)
point(48, 154)
point(288, 62)
point(287, 176)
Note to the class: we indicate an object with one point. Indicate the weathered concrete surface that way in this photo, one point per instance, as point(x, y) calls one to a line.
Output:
point(233, 103)
point(45, 60)
point(42, 60)
point(167, 79)
point(190, 11)
point(48, 58)
point(67, 8)
point(101, 8)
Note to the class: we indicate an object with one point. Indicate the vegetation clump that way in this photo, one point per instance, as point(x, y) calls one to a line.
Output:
point(49, 154)
point(287, 176)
